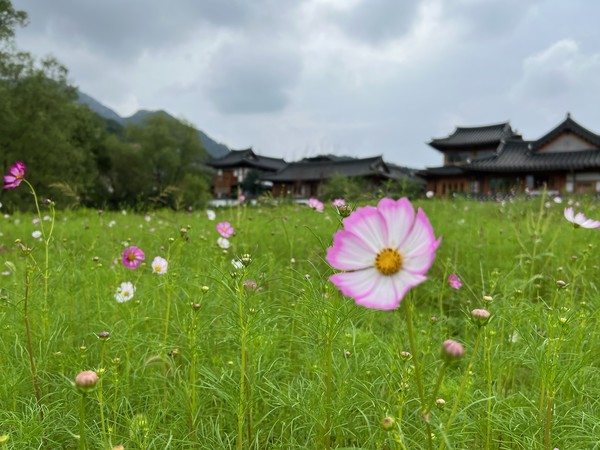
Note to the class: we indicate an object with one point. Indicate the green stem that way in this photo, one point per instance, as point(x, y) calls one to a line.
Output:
point(418, 375)
point(100, 396)
point(82, 445)
point(462, 387)
point(328, 387)
point(436, 388)
point(488, 357)
point(242, 386)
point(192, 375)
point(46, 236)
point(36, 387)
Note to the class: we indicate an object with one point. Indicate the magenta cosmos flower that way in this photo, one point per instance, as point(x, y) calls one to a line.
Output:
point(133, 257)
point(384, 251)
point(16, 174)
point(578, 220)
point(454, 281)
point(225, 229)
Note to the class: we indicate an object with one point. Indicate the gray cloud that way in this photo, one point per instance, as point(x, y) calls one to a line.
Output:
point(125, 29)
point(245, 78)
point(375, 21)
point(357, 77)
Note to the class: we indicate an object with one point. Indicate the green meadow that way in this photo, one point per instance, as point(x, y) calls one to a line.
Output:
point(272, 356)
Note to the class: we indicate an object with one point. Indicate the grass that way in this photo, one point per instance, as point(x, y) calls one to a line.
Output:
point(196, 360)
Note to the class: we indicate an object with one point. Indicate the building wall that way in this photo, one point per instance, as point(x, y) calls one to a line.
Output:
point(456, 157)
point(443, 187)
point(224, 182)
point(566, 142)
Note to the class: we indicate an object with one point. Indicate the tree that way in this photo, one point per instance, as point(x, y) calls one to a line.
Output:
point(341, 186)
point(44, 127)
point(159, 162)
point(9, 19)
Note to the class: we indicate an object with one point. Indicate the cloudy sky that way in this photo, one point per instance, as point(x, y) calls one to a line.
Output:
point(296, 78)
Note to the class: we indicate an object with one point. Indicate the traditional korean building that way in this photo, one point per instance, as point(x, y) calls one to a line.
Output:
point(232, 169)
point(307, 177)
point(495, 159)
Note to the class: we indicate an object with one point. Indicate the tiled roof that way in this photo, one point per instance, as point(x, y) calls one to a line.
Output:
point(516, 155)
point(568, 125)
point(474, 136)
point(319, 170)
point(247, 158)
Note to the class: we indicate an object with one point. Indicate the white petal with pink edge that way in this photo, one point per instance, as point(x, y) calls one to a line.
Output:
point(349, 252)
point(356, 284)
point(390, 290)
point(420, 240)
point(419, 264)
point(369, 225)
point(399, 217)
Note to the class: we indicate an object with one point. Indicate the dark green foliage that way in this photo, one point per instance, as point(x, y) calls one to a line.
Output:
point(341, 186)
point(9, 19)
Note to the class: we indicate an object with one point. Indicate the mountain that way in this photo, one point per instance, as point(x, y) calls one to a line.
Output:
point(213, 148)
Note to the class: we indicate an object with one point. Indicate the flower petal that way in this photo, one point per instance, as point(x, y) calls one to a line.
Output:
point(349, 252)
point(390, 290)
point(399, 217)
point(569, 214)
point(369, 225)
point(419, 264)
point(356, 284)
point(421, 239)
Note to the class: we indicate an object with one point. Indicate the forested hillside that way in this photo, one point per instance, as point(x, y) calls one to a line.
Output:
point(79, 157)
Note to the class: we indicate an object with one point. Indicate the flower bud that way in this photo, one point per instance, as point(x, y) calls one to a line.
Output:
point(561, 283)
point(344, 210)
point(440, 403)
point(405, 355)
point(387, 423)
point(480, 317)
point(452, 350)
point(246, 259)
point(86, 381)
point(488, 298)
point(103, 335)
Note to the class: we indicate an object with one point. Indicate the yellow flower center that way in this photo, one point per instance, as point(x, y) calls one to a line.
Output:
point(125, 293)
point(157, 268)
point(131, 257)
point(388, 261)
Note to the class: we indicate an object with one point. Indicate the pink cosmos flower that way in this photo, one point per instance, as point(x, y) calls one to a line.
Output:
point(16, 174)
point(338, 202)
point(133, 257)
point(454, 282)
point(385, 251)
point(579, 220)
point(225, 229)
point(316, 204)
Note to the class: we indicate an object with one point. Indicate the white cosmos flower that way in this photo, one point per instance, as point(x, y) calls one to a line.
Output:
point(211, 214)
point(223, 243)
point(159, 265)
point(579, 220)
point(36, 234)
point(125, 292)
point(237, 264)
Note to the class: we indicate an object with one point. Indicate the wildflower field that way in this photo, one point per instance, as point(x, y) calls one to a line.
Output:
point(223, 329)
